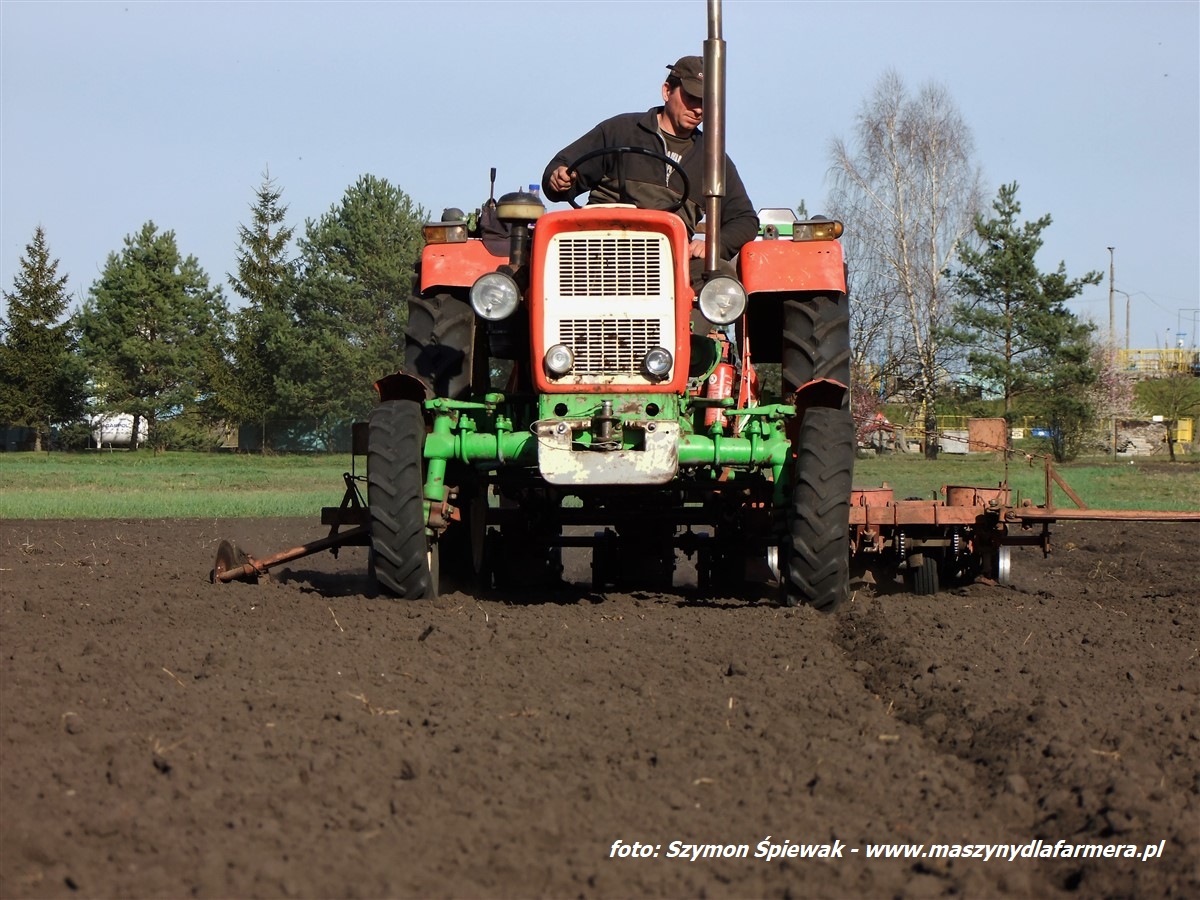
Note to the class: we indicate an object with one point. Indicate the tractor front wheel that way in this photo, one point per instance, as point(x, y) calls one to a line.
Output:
point(818, 552)
point(403, 559)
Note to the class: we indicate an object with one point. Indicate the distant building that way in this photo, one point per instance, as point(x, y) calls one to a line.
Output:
point(1157, 362)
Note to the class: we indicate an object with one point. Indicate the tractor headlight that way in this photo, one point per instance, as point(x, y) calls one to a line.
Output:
point(657, 363)
point(495, 296)
point(722, 300)
point(559, 360)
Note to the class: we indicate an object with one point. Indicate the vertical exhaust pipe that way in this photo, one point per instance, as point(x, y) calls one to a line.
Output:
point(714, 136)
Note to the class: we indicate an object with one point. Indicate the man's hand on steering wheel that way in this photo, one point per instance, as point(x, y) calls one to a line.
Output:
point(561, 179)
point(569, 175)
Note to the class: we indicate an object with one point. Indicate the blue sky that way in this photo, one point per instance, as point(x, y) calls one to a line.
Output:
point(112, 114)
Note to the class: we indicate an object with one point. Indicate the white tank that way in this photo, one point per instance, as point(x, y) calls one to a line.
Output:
point(116, 430)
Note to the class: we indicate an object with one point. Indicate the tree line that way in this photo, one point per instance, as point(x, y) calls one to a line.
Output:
point(156, 339)
point(949, 307)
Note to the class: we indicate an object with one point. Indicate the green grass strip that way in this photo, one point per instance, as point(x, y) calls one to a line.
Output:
point(145, 485)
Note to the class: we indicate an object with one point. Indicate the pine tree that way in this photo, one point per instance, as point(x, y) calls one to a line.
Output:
point(1012, 320)
point(41, 379)
point(265, 279)
point(153, 331)
point(1064, 400)
point(356, 269)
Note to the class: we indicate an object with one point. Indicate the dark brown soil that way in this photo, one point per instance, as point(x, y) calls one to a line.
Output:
point(164, 737)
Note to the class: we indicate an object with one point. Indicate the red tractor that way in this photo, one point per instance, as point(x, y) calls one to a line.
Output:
point(566, 385)
point(556, 393)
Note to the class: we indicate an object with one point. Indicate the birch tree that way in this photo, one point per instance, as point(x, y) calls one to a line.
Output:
point(908, 191)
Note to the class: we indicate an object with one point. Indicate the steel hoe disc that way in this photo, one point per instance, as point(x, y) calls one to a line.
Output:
point(229, 556)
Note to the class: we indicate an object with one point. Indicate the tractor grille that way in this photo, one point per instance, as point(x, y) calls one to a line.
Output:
point(625, 266)
point(609, 295)
point(609, 346)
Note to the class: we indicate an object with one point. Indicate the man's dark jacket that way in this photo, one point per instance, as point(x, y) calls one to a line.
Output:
point(646, 183)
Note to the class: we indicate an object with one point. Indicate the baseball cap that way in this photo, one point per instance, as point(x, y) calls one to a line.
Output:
point(690, 71)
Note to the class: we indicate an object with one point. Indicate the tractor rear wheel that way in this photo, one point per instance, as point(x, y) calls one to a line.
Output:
point(461, 544)
point(521, 558)
point(403, 559)
point(816, 341)
point(721, 565)
point(818, 552)
point(439, 344)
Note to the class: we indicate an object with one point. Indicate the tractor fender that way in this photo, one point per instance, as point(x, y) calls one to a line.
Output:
point(824, 392)
point(787, 266)
point(402, 386)
point(456, 265)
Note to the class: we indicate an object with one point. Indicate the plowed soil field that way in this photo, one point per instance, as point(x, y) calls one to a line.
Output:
point(164, 737)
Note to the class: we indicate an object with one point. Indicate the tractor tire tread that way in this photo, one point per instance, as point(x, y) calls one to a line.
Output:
point(818, 564)
point(395, 488)
point(438, 342)
point(816, 340)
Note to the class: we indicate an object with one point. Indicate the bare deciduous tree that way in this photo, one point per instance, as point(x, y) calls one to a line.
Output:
point(908, 192)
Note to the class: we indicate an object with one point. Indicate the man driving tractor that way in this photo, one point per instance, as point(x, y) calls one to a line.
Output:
point(670, 130)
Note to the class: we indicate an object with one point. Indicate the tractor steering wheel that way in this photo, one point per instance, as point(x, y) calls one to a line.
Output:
point(620, 153)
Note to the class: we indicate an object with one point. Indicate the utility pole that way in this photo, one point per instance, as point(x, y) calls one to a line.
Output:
point(1112, 343)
